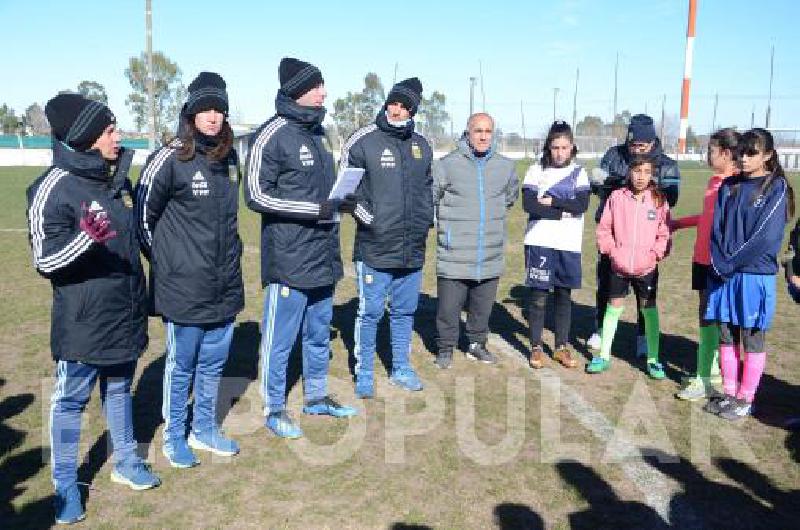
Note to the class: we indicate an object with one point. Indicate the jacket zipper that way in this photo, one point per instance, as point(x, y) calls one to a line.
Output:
point(481, 225)
point(635, 231)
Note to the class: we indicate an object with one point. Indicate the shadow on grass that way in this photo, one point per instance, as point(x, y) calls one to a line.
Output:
point(17, 468)
point(754, 502)
point(511, 516)
point(606, 509)
point(776, 404)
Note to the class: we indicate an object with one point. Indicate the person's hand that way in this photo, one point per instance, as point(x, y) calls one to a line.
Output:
point(329, 207)
point(96, 224)
point(546, 201)
point(348, 204)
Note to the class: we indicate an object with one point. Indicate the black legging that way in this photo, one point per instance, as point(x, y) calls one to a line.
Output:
point(601, 297)
point(562, 315)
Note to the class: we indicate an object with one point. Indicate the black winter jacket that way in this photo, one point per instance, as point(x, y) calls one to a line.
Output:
point(290, 172)
point(616, 160)
point(395, 201)
point(99, 313)
point(187, 215)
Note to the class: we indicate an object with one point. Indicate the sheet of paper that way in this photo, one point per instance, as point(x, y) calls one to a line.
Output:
point(346, 183)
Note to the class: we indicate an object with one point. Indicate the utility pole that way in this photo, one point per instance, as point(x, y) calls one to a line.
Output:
point(483, 94)
point(522, 114)
point(663, 115)
point(151, 87)
point(753, 117)
point(555, 96)
point(394, 79)
point(687, 76)
point(471, 96)
point(769, 100)
point(616, 71)
point(714, 116)
point(575, 101)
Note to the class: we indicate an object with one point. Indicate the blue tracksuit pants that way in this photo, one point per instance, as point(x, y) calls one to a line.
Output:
point(194, 352)
point(287, 312)
point(74, 384)
point(374, 285)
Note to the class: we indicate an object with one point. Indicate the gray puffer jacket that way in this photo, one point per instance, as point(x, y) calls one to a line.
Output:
point(472, 195)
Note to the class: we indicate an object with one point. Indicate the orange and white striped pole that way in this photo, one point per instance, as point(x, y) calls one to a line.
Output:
point(687, 77)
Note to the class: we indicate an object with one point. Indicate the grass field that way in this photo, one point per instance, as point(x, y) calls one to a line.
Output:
point(481, 447)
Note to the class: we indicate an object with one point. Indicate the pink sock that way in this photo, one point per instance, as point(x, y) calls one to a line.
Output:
point(751, 375)
point(729, 366)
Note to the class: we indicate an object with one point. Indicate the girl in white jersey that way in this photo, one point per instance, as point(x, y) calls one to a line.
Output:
point(555, 195)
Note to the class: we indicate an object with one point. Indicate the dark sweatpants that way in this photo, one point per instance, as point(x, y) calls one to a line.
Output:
point(602, 296)
point(452, 295)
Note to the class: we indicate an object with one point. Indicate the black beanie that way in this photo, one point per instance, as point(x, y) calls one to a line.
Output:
point(206, 92)
point(641, 129)
point(298, 77)
point(76, 120)
point(408, 92)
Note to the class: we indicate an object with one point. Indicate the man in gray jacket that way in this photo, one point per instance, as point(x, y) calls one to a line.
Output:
point(473, 187)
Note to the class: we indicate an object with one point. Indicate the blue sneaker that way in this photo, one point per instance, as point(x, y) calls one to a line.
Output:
point(598, 365)
point(213, 441)
point(327, 406)
point(178, 453)
point(365, 387)
point(406, 378)
point(67, 505)
point(135, 474)
point(280, 423)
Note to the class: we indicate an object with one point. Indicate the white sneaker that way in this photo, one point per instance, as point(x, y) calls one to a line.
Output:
point(641, 346)
point(594, 341)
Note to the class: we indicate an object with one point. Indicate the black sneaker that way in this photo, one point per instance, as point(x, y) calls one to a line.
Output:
point(736, 410)
point(478, 352)
point(717, 403)
point(444, 359)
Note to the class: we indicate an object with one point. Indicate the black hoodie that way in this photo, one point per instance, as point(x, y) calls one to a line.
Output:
point(99, 313)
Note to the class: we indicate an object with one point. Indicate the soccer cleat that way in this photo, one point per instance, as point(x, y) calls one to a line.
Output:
point(179, 454)
point(563, 355)
point(598, 365)
point(694, 390)
point(594, 341)
point(213, 441)
point(327, 406)
point(135, 474)
point(282, 425)
point(736, 409)
point(641, 346)
point(717, 403)
point(537, 357)
point(67, 505)
point(444, 359)
point(478, 352)
point(655, 370)
point(406, 378)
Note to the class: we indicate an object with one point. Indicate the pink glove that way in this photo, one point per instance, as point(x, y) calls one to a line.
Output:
point(96, 224)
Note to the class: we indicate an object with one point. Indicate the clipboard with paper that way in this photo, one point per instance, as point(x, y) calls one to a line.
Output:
point(346, 183)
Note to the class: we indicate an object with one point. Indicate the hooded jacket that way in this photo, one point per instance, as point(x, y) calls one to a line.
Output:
point(395, 205)
point(99, 312)
point(616, 161)
point(290, 172)
point(187, 215)
point(633, 233)
point(471, 195)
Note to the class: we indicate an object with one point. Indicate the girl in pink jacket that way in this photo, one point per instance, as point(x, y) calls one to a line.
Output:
point(723, 159)
point(634, 233)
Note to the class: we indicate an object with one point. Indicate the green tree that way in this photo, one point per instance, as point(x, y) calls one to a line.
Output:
point(93, 90)
point(9, 122)
point(589, 126)
point(35, 120)
point(169, 92)
point(357, 109)
point(432, 116)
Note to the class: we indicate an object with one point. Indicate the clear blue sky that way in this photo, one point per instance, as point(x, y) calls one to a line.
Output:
point(526, 48)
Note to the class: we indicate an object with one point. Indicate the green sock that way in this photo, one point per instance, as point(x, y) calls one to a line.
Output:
point(610, 321)
point(709, 344)
point(653, 332)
